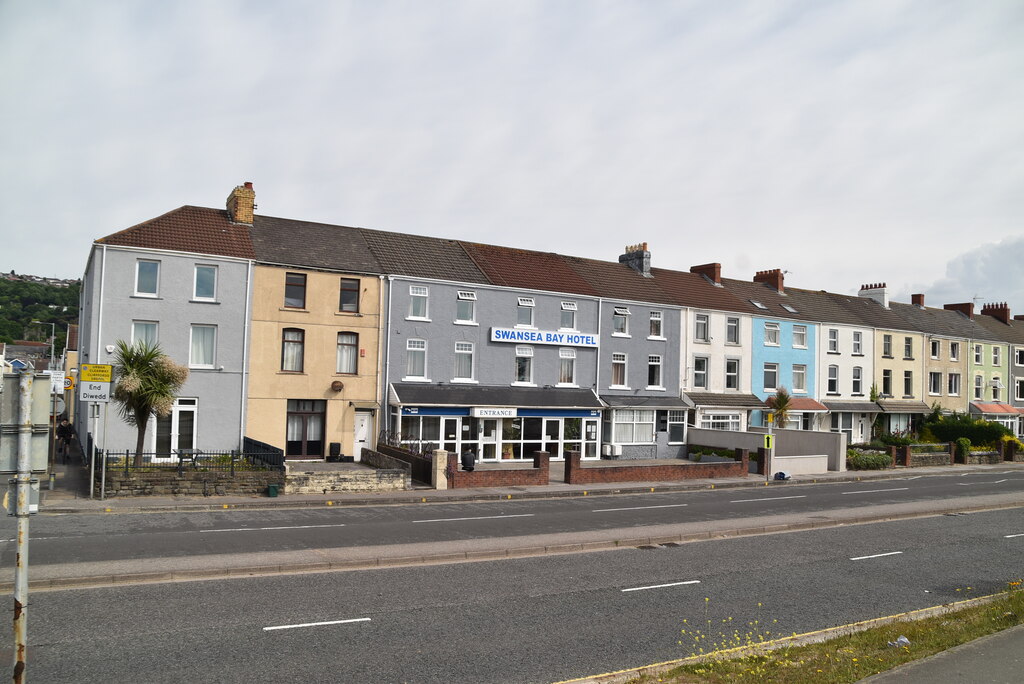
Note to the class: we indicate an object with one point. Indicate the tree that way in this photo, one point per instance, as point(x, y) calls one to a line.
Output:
point(781, 403)
point(147, 383)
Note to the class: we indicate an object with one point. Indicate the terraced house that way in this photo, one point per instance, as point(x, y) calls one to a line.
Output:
point(318, 338)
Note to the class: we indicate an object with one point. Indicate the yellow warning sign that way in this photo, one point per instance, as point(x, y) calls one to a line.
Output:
point(95, 372)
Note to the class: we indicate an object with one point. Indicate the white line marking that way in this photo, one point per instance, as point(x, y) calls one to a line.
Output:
point(916, 477)
point(483, 517)
point(661, 586)
point(872, 491)
point(636, 508)
point(770, 498)
point(254, 529)
point(1011, 536)
point(316, 624)
point(968, 484)
point(878, 555)
point(1000, 481)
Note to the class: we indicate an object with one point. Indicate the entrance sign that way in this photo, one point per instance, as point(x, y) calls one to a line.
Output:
point(478, 412)
point(560, 338)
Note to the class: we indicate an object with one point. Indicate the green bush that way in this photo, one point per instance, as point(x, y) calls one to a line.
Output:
point(958, 425)
point(963, 447)
point(897, 440)
point(867, 460)
point(695, 453)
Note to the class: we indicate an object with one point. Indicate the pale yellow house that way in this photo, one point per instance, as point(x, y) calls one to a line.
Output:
point(314, 357)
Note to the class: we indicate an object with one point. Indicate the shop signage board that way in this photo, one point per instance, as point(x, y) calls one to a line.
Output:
point(561, 338)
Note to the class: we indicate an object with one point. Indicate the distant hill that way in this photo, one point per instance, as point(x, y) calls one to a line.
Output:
point(24, 298)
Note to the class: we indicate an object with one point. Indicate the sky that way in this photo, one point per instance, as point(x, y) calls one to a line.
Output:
point(843, 142)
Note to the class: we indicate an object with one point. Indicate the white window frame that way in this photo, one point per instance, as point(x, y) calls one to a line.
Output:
point(732, 377)
point(857, 381)
point(953, 384)
point(908, 384)
point(732, 330)
point(721, 421)
point(568, 315)
point(700, 377)
point(419, 294)
point(772, 368)
point(620, 359)
point(136, 325)
point(640, 421)
point(997, 356)
point(213, 352)
point(701, 328)
point(138, 272)
point(979, 387)
point(675, 421)
point(523, 352)
point(934, 383)
point(832, 380)
point(954, 351)
point(833, 340)
point(465, 298)
point(1019, 384)
point(416, 347)
point(887, 346)
point(800, 336)
point(908, 348)
point(858, 343)
point(1018, 355)
point(979, 355)
point(355, 354)
point(463, 349)
point(935, 350)
point(996, 391)
point(771, 334)
point(657, 329)
point(620, 315)
point(195, 283)
point(654, 361)
point(525, 305)
point(567, 359)
point(887, 380)
point(799, 378)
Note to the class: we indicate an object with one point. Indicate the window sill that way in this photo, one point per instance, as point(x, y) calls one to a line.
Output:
point(570, 330)
point(655, 388)
point(702, 341)
point(619, 387)
point(145, 296)
point(464, 381)
point(886, 356)
point(908, 396)
point(857, 394)
point(566, 384)
point(347, 313)
point(417, 318)
point(657, 338)
point(471, 323)
point(771, 344)
point(908, 358)
point(857, 354)
point(519, 326)
point(294, 309)
point(286, 372)
point(523, 384)
point(203, 301)
point(416, 380)
point(799, 391)
point(627, 335)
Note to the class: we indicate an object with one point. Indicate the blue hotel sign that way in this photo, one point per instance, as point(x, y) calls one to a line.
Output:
point(562, 339)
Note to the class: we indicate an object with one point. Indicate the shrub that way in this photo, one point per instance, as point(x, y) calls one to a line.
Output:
point(867, 460)
point(963, 447)
point(695, 453)
point(980, 432)
point(897, 440)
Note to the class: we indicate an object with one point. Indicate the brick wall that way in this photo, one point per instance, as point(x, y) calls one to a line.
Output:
point(505, 477)
point(169, 483)
point(576, 473)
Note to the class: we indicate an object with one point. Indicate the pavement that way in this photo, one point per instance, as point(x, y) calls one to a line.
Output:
point(997, 658)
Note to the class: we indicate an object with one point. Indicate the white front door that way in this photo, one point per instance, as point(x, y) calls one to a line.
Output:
point(363, 432)
point(176, 430)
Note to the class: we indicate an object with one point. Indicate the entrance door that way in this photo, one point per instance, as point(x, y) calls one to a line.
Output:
point(177, 430)
point(489, 439)
point(363, 430)
point(450, 434)
point(552, 435)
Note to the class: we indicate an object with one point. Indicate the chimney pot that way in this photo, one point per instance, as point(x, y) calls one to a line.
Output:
point(712, 272)
point(966, 308)
point(917, 300)
point(637, 258)
point(772, 278)
point(1000, 312)
point(241, 204)
point(876, 292)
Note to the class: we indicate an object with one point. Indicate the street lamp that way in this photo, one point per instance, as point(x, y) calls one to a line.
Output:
point(53, 338)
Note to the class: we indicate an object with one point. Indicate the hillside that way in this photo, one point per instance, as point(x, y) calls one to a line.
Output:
point(24, 299)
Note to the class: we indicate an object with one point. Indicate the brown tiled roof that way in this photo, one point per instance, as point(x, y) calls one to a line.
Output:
point(694, 290)
point(188, 229)
point(520, 268)
point(422, 257)
point(313, 245)
point(618, 281)
point(800, 404)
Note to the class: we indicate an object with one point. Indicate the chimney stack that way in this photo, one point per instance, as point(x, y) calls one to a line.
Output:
point(876, 292)
point(241, 204)
point(917, 300)
point(712, 272)
point(967, 308)
point(1000, 312)
point(638, 258)
point(772, 278)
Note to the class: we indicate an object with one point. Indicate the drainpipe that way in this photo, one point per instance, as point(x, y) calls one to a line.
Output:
point(381, 327)
point(247, 331)
point(23, 486)
point(386, 326)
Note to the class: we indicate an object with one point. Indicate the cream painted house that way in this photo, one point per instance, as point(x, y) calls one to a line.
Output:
point(313, 378)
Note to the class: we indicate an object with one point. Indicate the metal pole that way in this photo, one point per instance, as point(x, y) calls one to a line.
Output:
point(92, 450)
point(103, 472)
point(23, 484)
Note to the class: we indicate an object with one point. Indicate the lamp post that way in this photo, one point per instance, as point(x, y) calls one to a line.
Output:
point(53, 408)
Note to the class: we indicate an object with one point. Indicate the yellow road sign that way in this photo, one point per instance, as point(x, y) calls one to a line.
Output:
point(95, 372)
point(768, 439)
point(69, 382)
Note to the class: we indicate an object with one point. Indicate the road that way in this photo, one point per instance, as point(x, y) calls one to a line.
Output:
point(95, 538)
point(527, 620)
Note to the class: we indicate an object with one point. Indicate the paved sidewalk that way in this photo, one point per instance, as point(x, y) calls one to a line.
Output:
point(995, 659)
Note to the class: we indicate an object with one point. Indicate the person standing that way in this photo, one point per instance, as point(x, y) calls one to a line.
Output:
point(65, 436)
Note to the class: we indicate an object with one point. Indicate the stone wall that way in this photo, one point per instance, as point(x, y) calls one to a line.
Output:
point(169, 483)
point(575, 473)
point(322, 482)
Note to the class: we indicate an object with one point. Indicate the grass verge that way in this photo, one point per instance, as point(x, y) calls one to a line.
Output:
point(847, 658)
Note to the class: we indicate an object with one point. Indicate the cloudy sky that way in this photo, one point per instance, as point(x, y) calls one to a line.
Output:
point(845, 142)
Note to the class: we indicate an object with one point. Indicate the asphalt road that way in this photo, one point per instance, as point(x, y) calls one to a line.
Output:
point(529, 620)
point(92, 538)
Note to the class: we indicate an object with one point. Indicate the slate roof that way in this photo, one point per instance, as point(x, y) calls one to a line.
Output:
point(477, 395)
point(896, 406)
point(527, 269)
point(188, 229)
point(725, 400)
point(312, 245)
point(647, 402)
point(1012, 333)
point(422, 257)
point(939, 321)
point(853, 406)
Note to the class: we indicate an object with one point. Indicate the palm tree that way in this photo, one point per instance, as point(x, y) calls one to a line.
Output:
point(147, 383)
point(782, 404)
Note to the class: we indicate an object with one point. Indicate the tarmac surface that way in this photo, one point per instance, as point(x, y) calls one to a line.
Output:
point(996, 659)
